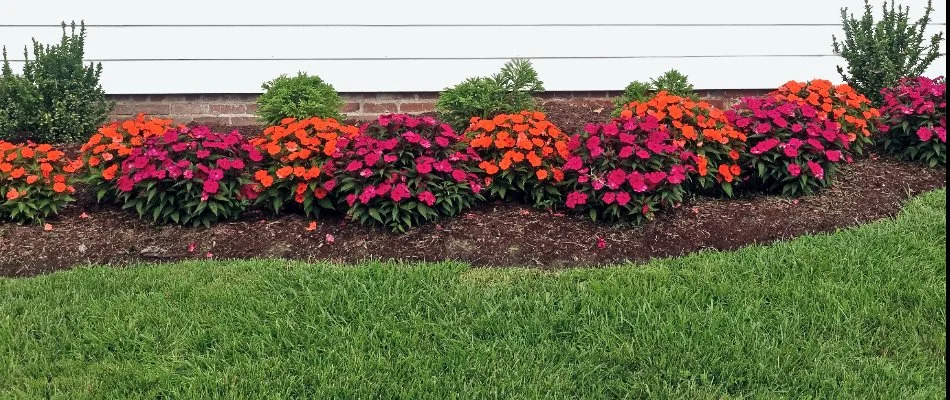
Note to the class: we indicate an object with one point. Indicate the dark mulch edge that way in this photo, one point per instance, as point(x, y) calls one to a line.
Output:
point(491, 235)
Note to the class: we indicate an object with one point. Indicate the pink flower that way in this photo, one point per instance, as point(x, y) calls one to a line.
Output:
point(794, 169)
point(188, 174)
point(656, 177)
point(371, 159)
point(427, 197)
point(126, 184)
point(816, 169)
point(211, 187)
point(623, 198)
point(626, 151)
point(459, 175)
point(329, 185)
point(833, 155)
point(575, 199)
point(574, 163)
point(442, 142)
point(202, 154)
point(637, 182)
point(368, 193)
point(424, 167)
point(763, 127)
point(366, 173)
point(389, 158)
point(765, 146)
point(609, 197)
point(353, 166)
point(925, 134)
point(400, 192)
point(601, 244)
point(351, 199)
point(616, 178)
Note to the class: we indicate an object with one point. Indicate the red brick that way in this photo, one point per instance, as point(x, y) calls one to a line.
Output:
point(379, 108)
point(416, 107)
point(189, 108)
point(229, 109)
point(244, 121)
point(251, 108)
point(151, 109)
point(351, 107)
point(212, 120)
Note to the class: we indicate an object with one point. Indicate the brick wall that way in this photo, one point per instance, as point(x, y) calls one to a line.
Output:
point(238, 109)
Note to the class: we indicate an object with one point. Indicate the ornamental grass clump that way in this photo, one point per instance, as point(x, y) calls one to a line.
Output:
point(299, 163)
point(704, 131)
point(626, 169)
point(915, 114)
point(839, 103)
point(402, 171)
point(794, 149)
point(520, 155)
point(188, 176)
point(105, 150)
point(36, 181)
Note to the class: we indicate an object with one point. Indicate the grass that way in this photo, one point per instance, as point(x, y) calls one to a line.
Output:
point(856, 314)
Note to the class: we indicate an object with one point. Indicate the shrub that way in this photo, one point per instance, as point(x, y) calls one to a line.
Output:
point(35, 181)
point(793, 148)
point(881, 53)
point(704, 131)
point(300, 97)
point(189, 176)
point(511, 90)
point(58, 99)
point(625, 169)
point(518, 155)
point(402, 171)
point(298, 166)
point(672, 82)
point(842, 104)
point(105, 151)
point(915, 113)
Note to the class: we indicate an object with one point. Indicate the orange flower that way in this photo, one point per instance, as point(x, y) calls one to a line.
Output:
point(59, 187)
point(12, 194)
point(109, 173)
point(31, 179)
point(542, 174)
point(284, 172)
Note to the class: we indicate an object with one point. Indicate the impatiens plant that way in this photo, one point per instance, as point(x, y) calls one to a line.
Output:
point(189, 176)
point(298, 166)
point(794, 149)
point(626, 169)
point(402, 171)
point(704, 131)
point(915, 113)
point(105, 151)
point(842, 104)
point(520, 156)
point(35, 181)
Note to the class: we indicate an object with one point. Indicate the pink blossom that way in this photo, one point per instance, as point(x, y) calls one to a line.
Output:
point(574, 163)
point(202, 154)
point(400, 192)
point(353, 166)
point(925, 134)
point(210, 187)
point(351, 199)
point(371, 159)
point(368, 193)
point(366, 173)
point(427, 197)
point(390, 158)
point(763, 127)
point(609, 197)
point(125, 184)
point(616, 178)
point(637, 182)
point(626, 152)
point(794, 169)
point(623, 198)
point(459, 175)
point(764, 146)
point(575, 199)
point(833, 155)
point(816, 169)
point(423, 167)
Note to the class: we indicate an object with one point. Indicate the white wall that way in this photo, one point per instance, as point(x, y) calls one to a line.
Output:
point(179, 46)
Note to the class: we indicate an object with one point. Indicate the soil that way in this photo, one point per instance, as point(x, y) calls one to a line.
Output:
point(491, 235)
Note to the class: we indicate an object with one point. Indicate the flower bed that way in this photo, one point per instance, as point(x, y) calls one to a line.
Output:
point(36, 181)
point(915, 113)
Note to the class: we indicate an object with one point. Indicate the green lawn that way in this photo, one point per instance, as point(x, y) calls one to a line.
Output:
point(856, 314)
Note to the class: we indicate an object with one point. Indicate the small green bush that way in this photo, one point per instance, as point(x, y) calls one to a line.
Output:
point(511, 90)
point(879, 54)
point(672, 81)
point(58, 99)
point(301, 97)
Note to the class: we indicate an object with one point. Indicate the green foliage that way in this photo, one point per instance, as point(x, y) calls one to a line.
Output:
point(301, 97)
point(880, 53)
point(57, 99)
point(672, 81)
point(511, 90)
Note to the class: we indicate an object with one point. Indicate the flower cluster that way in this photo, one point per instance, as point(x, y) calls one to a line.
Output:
point(793, 148)
point(841, 103)
point(104, 152)
point(702, 129)
point(915, 113)
point(519, 155)
point(188, 176)
point(402, 170)
point(299, 161)
point(35, 181)
point(626, 169)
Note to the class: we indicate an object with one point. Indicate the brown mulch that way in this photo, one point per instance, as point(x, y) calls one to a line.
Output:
point(491, 235)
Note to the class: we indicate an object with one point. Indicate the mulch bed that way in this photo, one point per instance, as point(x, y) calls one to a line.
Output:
point(491, 235)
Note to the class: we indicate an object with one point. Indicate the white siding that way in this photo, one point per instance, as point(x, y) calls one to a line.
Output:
point(181, 46)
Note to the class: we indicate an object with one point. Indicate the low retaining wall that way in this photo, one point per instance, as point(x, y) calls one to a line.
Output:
point(238, 109)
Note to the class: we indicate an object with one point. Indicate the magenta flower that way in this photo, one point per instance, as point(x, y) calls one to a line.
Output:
point(816, 170)
point(833, 155)
point(427, 197)
point(575, 199)
point(616, 178)
point(794, 169)
point(925, 134)
point(400, 192)
point(210, 187)
point(623, 198)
